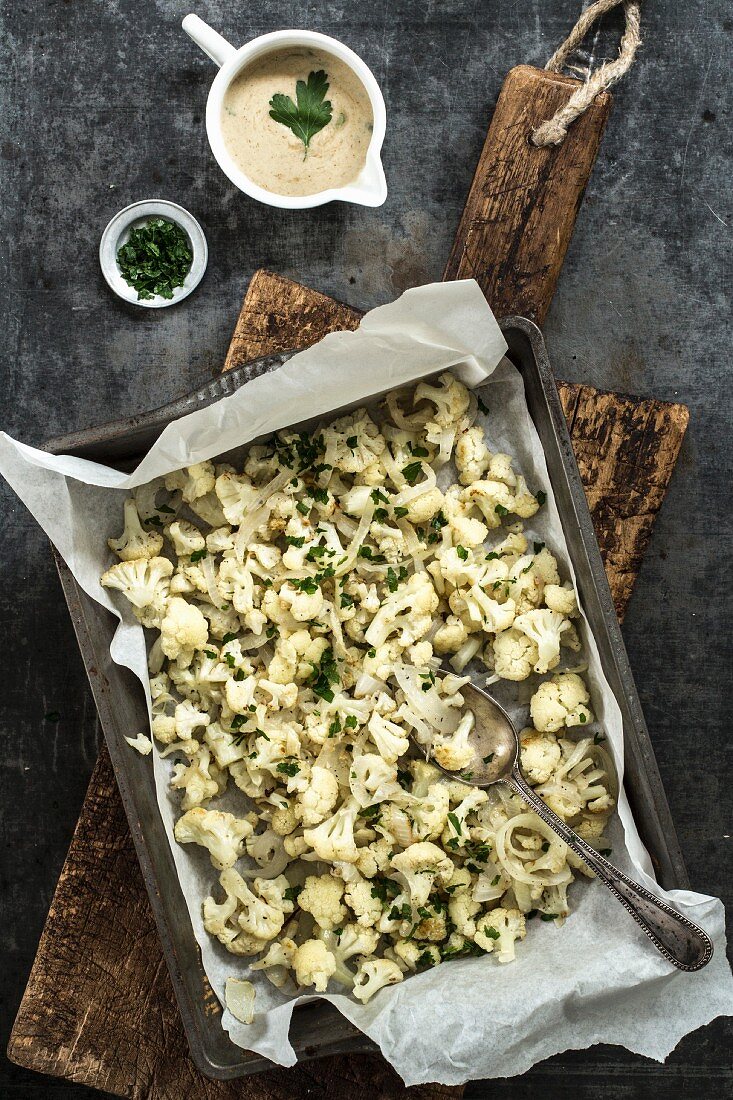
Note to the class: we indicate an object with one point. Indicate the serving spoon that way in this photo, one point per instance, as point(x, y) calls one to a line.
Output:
point(497, 760)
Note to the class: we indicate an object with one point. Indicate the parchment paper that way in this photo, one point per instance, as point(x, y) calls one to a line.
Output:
point(597, 979)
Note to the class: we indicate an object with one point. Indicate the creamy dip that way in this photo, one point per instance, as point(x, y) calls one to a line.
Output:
point(270, 154)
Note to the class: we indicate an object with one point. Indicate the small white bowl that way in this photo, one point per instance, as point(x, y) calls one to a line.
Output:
point(117, 233)
point(368, 189)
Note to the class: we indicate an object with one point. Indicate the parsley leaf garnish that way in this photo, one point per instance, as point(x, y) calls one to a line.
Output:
point(311, 111)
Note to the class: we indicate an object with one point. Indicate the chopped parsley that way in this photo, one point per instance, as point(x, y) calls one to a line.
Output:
point(325, 673)
point(501, 510)
point(490, 932)
point(400, 511)
point(393, 579)
point(455, 822)
point(289, 768)
point(411, 472)
point(462, 552)
point(292, 541)
point(156, 259)
point(198, 555)
point(541, 497)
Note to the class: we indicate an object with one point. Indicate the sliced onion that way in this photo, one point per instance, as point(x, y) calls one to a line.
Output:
point(209, 571)
point(258, 512)
point(426, 704)
point(511, 859)
point(248, 642)
point(361, 533)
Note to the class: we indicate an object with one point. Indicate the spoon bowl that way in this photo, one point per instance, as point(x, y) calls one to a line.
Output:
point(497, 760)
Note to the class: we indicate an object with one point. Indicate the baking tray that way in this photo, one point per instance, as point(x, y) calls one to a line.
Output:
point(318, 1029)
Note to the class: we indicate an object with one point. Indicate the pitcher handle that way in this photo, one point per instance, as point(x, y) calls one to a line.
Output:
point(209, 40)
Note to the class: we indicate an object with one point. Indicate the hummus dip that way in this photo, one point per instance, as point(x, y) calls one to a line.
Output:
point(270, 154)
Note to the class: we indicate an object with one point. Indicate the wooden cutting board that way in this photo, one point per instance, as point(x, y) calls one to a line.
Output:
point(99, 1007)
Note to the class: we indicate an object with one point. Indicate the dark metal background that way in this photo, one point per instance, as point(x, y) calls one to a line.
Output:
point(102, 103)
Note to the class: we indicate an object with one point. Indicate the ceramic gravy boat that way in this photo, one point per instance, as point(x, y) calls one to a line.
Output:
point(368, 189)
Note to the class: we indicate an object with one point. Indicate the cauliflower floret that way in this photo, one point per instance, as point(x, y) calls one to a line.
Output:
point(408, 610)
point(354, 442)
point(492, 498)
point(456, 753)
point(195, 481)
point(183, 629)
point(372, 780)
point(314, 964)
point(544, 628)
point(423, 507)
point(223, 835)
point(514, 655)
point(200, 779)
point(472, 456)
point(464, 529)
point(450, 397)
point(344, 944)
point(450, 636)
point(419, 868)
point(562, 600)
point(303, 606)
point(186, 538)
point(259, 913)
point(430, 811)
point(410, 955)
point(375, 858)
point(318, 798)
point(359, 896)
point(561, 701)
point(135, 542)
point(321, 897)
point(334, 838)
point(236, 494)
point(145, 583)
point(524, 503)
point(187, 718)
point(372, 975)
point(499, 931)
point(540, 755)
point(276, 964)
point(164, 729)
point(390, 739)
point(462, 910)
point(479, 611)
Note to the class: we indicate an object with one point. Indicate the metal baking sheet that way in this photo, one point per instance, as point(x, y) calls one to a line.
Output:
point(318, 1029)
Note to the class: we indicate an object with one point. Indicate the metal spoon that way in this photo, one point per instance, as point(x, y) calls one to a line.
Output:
point(496, 760)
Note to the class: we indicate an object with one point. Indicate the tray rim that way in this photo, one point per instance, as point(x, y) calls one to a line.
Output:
point(119, 433)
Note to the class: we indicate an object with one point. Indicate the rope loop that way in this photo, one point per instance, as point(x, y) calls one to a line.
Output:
point(553, 131)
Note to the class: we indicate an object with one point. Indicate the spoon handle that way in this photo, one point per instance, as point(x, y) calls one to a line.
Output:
point(679, 940)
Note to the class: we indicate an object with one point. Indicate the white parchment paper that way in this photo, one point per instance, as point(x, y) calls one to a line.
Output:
point(597, 979)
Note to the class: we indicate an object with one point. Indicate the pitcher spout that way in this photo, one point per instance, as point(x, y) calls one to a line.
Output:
point(370, 186)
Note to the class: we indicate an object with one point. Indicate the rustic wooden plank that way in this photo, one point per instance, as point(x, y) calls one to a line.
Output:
point(523, 202)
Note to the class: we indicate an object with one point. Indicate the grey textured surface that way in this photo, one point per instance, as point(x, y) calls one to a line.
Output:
point(102, 104)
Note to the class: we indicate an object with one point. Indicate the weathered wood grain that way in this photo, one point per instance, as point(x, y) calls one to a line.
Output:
point(523, 202)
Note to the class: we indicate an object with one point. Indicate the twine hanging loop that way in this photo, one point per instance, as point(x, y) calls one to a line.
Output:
point(554, 130)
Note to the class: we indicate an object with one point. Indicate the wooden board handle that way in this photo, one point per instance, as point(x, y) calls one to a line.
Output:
point(521, 209)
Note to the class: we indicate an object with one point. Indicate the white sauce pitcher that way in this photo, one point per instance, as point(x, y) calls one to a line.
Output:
point(368, 189)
